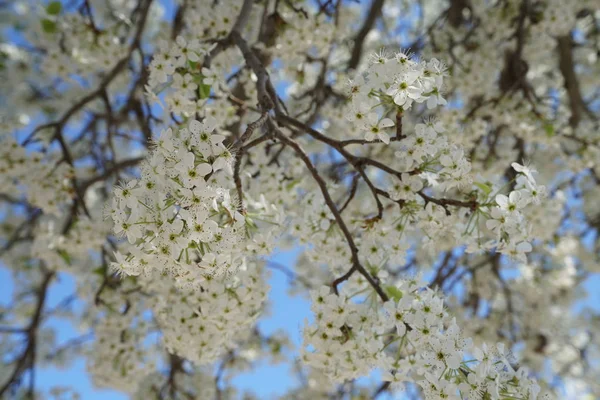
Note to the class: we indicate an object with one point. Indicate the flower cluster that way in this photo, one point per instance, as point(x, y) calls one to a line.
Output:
point(428, 153)
point(202, 325)
point(76, 49)
point(200, 385)
point(393, 84)
point(507, 220)
point(118, 359)
point(46, 181)
point(346, 337)
point(412, 339)
point(304, 36)
point(180, 214)
point(176, 66)
point(280, 130)
point(68, 252)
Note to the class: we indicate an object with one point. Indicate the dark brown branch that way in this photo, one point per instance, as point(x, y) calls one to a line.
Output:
point(357, 50)
point(16, 236)
point(27, 358)
point(347, 142)
point(567, 68)
point(353, 188)
point(356, 265)
point(239, 153)
point(242, 19)
point(383, 387)
point(287, 120)
point(178, 20)
point(264, 93)
point(399, 134)
point(448, 202)
point(111, 171)
point(256, 142)
point(175, 367)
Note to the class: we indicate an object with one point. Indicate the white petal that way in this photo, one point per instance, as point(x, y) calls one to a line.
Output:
point(385, 138)
point(195, 127)
point(502, 200)
point(386, 123)
point(204, 169)
point(517, 167)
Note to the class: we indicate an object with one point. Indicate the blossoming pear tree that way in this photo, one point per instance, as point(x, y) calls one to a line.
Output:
point(435, 162)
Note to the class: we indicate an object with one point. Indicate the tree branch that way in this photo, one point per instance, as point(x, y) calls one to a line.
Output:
point(356, 265)
point(373, 14)
point(28, 355)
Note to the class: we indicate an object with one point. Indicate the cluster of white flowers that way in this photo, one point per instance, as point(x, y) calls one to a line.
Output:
point(118, 359)
point(395, 186)
point(75, 49)
point(200, 385)
point(412, 339)
point(180, 214)
point(46, 181)
point(199, 323)
point(68, 252)
point(507, 220)
point(428, 153)
point(426, 159)
point(203, 325)
point(347, 336)
point(177, 66)
point(303, 36)
point(393, 83)
point(212, 22)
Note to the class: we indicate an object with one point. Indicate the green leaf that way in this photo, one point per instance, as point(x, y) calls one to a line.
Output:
point(203, 91)
point(549, 128)
point(48, 26)
point(48, 109)
point(394, 292)
point(276, 348)
point(65, 256)
point(198, 78)
point(54, 8)
point(486, 189)
point(99, 270)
